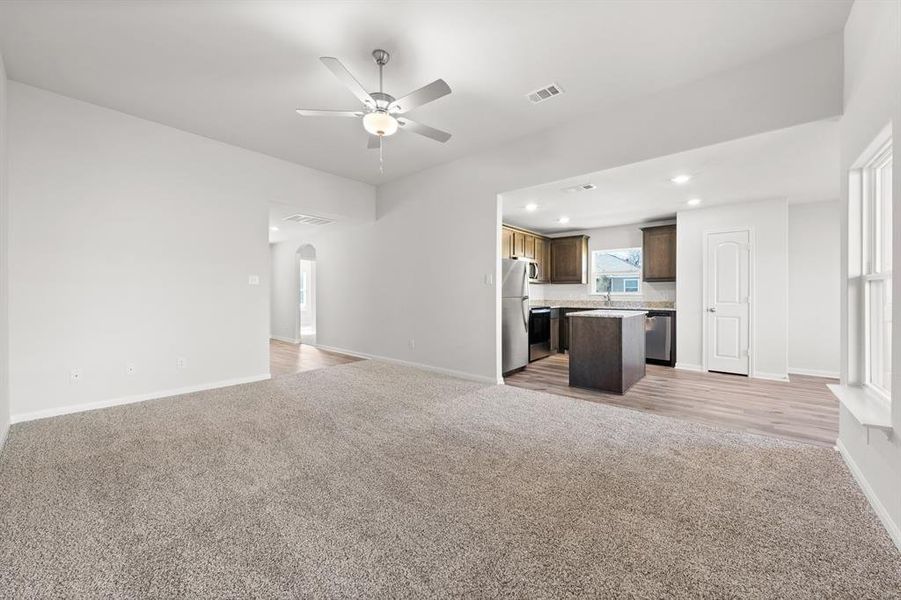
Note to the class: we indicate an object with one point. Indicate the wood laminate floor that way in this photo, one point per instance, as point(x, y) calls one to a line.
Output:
point(288, 359)
point(802, 409)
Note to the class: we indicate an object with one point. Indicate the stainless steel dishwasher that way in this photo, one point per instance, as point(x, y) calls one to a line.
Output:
point(659, 337)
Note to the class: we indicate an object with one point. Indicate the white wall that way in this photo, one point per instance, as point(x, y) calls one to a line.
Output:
point(133, 242)
point(283, 295)
point(872, 99)
point(814, 280)
point(768, 221)
point(4, 264)
point(348, 292)
point(608, 238)
point(286, 264)
point(437, 230)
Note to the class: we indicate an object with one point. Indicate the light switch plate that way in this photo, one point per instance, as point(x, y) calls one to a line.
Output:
point(253, 280)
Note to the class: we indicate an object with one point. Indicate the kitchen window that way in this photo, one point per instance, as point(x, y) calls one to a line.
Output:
point(616, 271)
point(875, 180)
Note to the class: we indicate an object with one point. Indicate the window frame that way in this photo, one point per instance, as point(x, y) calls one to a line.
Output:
point(595, 272)
point(304, 291)
point(872, 255)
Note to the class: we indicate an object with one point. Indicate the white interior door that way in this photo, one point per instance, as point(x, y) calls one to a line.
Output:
point(727, 301)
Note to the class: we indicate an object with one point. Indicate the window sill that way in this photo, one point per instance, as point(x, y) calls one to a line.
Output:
point(869, 409)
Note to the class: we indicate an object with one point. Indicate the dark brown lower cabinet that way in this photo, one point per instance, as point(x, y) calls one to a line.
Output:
point(606, 353)
point(556, 314)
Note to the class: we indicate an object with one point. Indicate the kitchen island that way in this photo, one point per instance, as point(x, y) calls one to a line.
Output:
point(606, 349)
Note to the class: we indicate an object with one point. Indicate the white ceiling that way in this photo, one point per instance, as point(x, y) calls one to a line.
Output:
point(798, 163)
point(235, 71)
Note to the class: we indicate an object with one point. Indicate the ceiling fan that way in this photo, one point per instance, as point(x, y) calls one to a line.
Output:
point(382, 113)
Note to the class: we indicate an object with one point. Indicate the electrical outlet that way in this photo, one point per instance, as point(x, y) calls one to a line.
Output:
point(75, 376)
point(181, 362)
point(253, 280)
point(412, 344)
point(130, 368)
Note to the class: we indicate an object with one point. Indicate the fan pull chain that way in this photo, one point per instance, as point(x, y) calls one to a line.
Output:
point(381, 163)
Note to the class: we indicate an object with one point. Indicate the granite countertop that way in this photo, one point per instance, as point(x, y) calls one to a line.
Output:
point(604, 305)
point(608, 314)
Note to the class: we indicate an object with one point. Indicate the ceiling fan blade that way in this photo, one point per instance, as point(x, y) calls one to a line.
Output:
point(423, 95)
point(429, 132)
point(328, 113)
point(334, 65)
point(373, 142)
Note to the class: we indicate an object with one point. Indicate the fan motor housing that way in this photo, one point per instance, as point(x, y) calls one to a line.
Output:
point(382, 100)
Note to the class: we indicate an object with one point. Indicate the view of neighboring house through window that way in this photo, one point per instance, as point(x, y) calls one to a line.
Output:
point(616, 271)
point(877, 269)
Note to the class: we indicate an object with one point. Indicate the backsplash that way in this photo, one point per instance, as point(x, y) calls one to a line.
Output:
point(650, 292)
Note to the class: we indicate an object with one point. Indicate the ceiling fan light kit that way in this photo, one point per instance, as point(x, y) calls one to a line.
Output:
point(380, 123)
point(380, 110)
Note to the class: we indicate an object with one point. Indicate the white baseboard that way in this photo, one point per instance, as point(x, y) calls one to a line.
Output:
point(284, 339)
point(758, 375)
point(4, 432)
point(75, 408)
point(814, 373)
point(894, 530)
point(783, 377)
point(688, 367)
point(407, 363)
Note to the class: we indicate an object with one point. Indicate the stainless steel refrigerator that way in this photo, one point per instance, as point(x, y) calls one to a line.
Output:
point(514, 314)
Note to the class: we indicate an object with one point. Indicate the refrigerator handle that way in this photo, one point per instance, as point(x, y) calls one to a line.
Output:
point(525, 297)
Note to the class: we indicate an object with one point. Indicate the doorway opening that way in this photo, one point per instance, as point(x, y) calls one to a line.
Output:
point(306, 295)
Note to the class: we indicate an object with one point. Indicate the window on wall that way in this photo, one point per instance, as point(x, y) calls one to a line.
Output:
point(616, 271)
point(876, 269)
point(303, 290)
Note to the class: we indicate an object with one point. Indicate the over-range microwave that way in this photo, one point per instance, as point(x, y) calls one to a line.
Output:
point(533, 268)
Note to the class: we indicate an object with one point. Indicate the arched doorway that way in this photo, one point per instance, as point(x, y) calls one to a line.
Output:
point(306, 295)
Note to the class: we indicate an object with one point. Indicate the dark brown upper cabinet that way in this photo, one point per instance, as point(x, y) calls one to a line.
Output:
point(506, 243)
point(543, 258)
point(569, 259)
point(530, 247)
point(659, 253)
point(518, 243)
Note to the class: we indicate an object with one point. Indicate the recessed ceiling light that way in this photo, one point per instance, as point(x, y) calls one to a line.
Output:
point(531, 207)
point(680, 179)
point(563, 220)
point(694, 201)
point(273, 229)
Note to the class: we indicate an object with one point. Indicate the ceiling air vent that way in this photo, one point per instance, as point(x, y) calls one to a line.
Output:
point(545, 93)
point(308, 219)
point(582, 187)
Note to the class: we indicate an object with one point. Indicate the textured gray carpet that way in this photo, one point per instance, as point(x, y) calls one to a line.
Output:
point(373, 480)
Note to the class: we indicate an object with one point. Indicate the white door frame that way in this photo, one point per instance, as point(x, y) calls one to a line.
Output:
point(752, 295)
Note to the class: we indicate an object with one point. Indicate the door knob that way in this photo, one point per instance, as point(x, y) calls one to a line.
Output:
point(711, 309)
